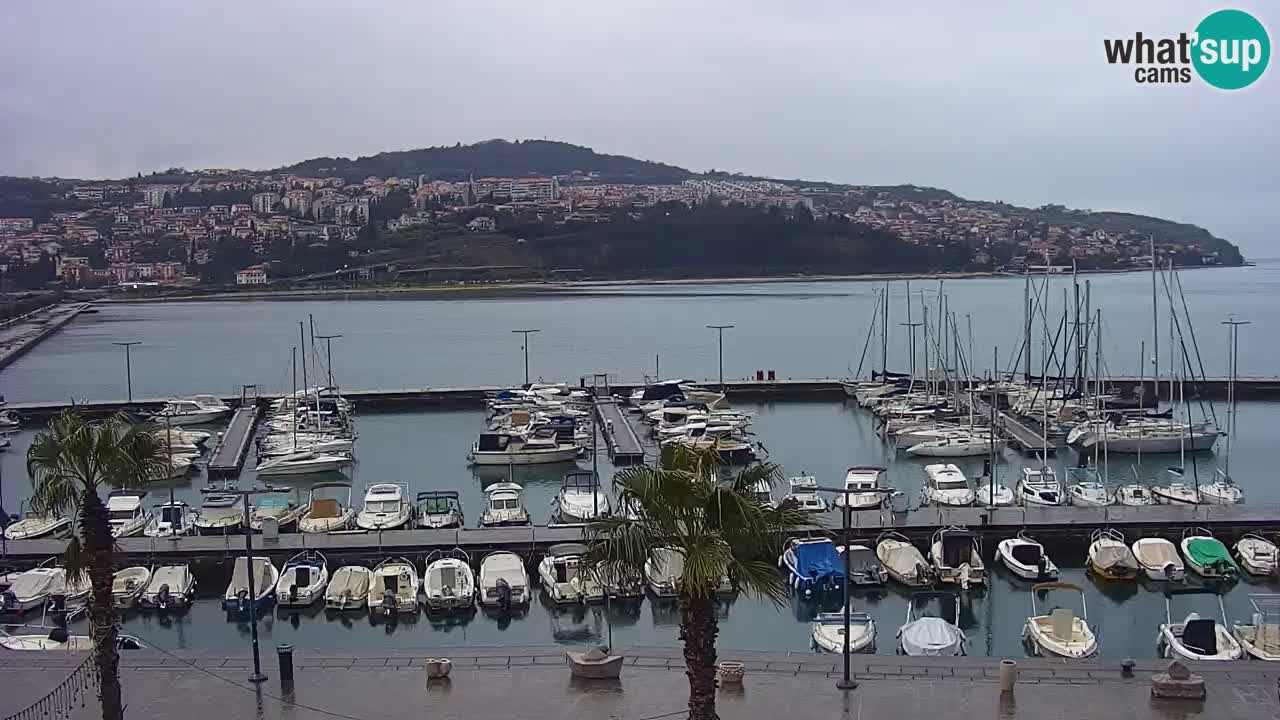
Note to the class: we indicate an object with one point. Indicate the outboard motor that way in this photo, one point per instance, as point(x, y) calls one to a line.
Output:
point(57, 604)
point(9, 601)
point(293, 593)
point(162, 597)
point(1042, 566)
point(504, 594)
point(388, 602)
point(242, 600)
point(1168, 570)
point(59, 635)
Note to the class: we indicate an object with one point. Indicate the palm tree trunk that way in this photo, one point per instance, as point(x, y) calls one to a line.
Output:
point(699, 627)
point(95, 532)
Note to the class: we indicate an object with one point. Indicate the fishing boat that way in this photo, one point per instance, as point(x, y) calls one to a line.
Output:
point(957, 557)
point(866, 484)
point(385, 507)
point(1175, 491)
point(448, 582)
point(33, 524)
point(1158, 558)
point(1110, 557)
point(126, 514)
point(1196, 638)
point(946, 486)
point(1222, 491)
point(31, 589)
point(567, 579)
point(1257, 555)
point(864, 567)
point(1026, 558)
point(581, 498)
point(812, 565)
point(1086, 489)
point(828, 632)
point(171, 519)
point(438, 509)
point(348, 588)
point(302, 580)
point(504, 506)
point(265, 576)
point(128, 584)
point(170, 586)
point(1260, 637)
point(804, 494)
point(503, 581)
point(220, 513)
point(326, 509)
point(1059, 633)
point(1206, 555)
point(500, 448)
point(902, 560)
point(393, 589)
point(278, 507)
point(927, 635)
point(303, 463)
point(1038, 486)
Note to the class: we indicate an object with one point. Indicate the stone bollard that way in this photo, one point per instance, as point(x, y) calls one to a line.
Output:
point(730, 672)
point(1008, 676)
point(284, 653)
point(1177, 682)
point(438, 668)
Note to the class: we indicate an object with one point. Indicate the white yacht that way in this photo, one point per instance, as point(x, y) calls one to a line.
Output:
point(503, 581)
point(1039, 486)
point(195, 410)
point(498, 448)
point(566, 577)
point(303, 463)
point(581, 498)
point(1158, 559)
point(946, 485)
point(868, 485)
point(265, 577)
point(1026, 558)
point(448, 582)
point(504, 506)
point(170, 586)
point(126, 514)
point(957, 557)
point(966, 445)
point(1059, 633)
point(127, 584)
point(326, 509)
point(170, 520)
point(348, 588)
point(393, 588)
point(302, 579)
point(33, 525)
point(385, 507)
point(804, 494)
point(438, 509)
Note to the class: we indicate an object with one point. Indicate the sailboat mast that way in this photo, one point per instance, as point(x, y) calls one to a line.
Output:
point(1155, 324)
point(1233, 365)
point(911, 335)
point(1026, 324)
point(293, 398)
point(884, 335)
point(928, 376)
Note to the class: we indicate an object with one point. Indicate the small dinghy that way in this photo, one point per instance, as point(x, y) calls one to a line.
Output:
point(448, 582)
point(1196, 638)
point(828, 632)
point(503, 582)
point(127, 585)
point(348, 588)
point(302, 579)
point(171, 586)
point(927, 635)
point(864, 567)
point(1059, 633)
point(1026, 558)
point(265, 577)
point(1207, 556)
point(1257, 555)
point(812, 565)
point(1260, 638)
point(1110, 557)
point(1158, 558)
point(394, 588)
point(902, 560)
point(957, 557)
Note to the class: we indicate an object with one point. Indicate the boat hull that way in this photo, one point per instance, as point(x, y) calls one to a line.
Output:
point(540, 457)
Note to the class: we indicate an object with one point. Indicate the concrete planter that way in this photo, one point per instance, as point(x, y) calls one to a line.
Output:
point(438, 668)
point(730, 672)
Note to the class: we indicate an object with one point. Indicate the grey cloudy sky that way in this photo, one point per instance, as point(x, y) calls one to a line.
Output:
point(1009, 101)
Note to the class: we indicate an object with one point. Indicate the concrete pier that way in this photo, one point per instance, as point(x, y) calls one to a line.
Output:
point(19, 335)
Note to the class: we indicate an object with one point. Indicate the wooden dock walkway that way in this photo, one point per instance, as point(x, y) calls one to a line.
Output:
point(228, 455)
point(624, 443)
point(1020, 437)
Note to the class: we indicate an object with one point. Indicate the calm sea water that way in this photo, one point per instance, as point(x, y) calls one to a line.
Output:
point(799, 329)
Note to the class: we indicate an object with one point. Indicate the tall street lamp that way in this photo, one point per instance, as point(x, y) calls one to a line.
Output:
point(525, 346)
point(128, 366)
point(720, 341)
point(328, 353)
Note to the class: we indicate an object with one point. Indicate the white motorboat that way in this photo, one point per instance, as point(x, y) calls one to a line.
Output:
point(126, 514)
point(277, 506)
point(58, 639)
point(1197, 638)
point(321, 444)
point(665, 571)
point(220, 513)
point(438, 509)
point(265, 577)
point(499, 448)
point(385, 507)
point(1222, 491)
point(566, 577)
point(348, 588)
point(1134, 495)
point(865, 569)
point(989, 492)
point(1175, 491)
point(967, 445)
point(175, 467)
point(1206, 555)
point(33, 525)
point(303, 463)
point(763, 493)
point(902, 560)
point(946, 486)
point(10, 420)
point(394, 588)
point(957, 557)
point(1110, 557)
point(812, 565)
point(171, 519)
point(1158, 559)
point(1086, 489)
point(195, 410)
point(170, 586)
point(828, 632)
point(128, 584)
point(581, 498)
point(302, 579)
point(1059, 633)
point(503, 581)
point(448, 582)
point(31, 589)
point(867, 485)
point(1038, 486)
point(326, 509)
point(927, 635)
point(804, 494)
point(504, 506)
point(1257, 555)
point(1026, 558)
point(1260, 637)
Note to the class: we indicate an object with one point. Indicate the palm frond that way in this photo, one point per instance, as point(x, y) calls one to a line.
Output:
point(76, 560)
point(760, 578)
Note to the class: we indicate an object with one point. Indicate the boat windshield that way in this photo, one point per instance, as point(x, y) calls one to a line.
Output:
point(122, 514)
point(435, 506)
point(951, 483)
point(504, 503)
point(382, 506)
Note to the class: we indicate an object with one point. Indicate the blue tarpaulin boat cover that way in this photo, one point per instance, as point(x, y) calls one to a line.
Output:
point(818, 560)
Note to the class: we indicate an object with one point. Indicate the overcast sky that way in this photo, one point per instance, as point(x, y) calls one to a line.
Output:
point(1011, 101)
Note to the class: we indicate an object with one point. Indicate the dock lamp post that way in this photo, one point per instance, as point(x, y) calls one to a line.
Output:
point(328, 353)
point(720, 342)
point(525, 347)
point(257, 675)
point(128, 366)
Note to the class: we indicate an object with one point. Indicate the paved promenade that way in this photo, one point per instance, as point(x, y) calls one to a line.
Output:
point(534, 683)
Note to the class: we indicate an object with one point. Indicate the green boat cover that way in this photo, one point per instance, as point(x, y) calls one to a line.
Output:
point(1209, 553)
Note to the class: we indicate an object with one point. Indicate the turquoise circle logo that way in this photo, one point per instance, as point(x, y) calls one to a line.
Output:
point(1232, 49)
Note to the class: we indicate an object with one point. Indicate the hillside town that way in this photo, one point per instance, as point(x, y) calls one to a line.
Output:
point(244, 224)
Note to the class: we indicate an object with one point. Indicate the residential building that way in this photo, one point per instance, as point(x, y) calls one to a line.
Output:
point(252, 275)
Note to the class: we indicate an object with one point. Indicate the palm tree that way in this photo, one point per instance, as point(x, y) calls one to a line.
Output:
point(68, 464)
point(719, 527)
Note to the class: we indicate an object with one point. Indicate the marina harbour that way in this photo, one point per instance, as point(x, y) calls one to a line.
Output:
point(398, 455)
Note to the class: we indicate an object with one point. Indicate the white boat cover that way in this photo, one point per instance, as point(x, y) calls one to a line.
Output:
point(1113, 556)
point(349, 581)
point(931, 636)
point(263, 581)
point(902, 558)
point(1157, 554)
